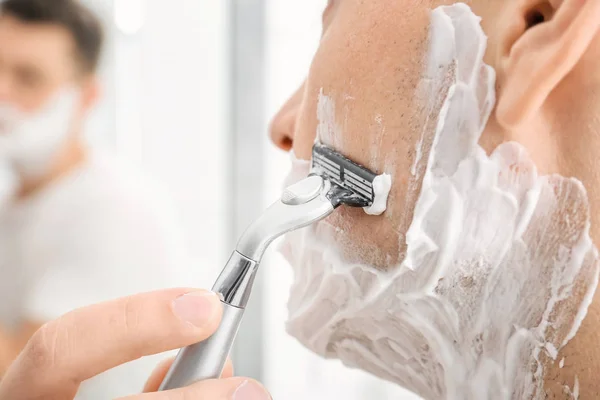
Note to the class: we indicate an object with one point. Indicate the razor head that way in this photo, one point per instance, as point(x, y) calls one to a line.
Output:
point(352, 184)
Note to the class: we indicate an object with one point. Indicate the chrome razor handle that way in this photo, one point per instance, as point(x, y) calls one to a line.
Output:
point(300, 205)
point(206, 360)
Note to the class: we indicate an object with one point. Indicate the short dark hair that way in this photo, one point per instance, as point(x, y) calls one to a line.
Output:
point(80, 21)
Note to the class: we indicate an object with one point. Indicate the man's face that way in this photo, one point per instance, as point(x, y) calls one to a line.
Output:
point(36, 60)
point(369, 65)
point(498, 257)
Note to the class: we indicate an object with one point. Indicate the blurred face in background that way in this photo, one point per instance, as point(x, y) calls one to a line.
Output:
point(36, 61)
point(45, 92)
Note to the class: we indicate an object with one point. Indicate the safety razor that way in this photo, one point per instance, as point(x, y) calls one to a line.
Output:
point(334, 181)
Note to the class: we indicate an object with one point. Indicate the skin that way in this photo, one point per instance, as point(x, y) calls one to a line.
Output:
point(91, 340)
point(370, 61)
point(37, 60)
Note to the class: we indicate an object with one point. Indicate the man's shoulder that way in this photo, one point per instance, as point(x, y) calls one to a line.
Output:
point(108, 197)
point(107, 183)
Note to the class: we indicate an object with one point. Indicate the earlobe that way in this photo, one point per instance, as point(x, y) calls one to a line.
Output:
point(546, 45)
point(91, 93)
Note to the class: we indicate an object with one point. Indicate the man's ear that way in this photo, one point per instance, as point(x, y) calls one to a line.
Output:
point(90, 92)
point(539, 50)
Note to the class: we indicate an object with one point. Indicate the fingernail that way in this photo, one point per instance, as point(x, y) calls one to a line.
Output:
point(196, 308)
point(250, 391)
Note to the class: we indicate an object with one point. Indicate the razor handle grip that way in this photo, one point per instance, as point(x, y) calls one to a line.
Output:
point(205, 360)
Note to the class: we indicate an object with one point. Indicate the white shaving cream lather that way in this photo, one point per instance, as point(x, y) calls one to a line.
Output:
point(30, 141)
point(499, 268)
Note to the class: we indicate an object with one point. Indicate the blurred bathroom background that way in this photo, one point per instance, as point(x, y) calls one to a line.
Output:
point(190, 86)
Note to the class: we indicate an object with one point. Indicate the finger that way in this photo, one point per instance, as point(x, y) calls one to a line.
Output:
point(158, 375)
point(91, 340)
point(161, 371)
point(222, 389)
point(228, 371)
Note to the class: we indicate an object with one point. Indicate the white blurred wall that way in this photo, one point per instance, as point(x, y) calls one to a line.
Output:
point(165, 108)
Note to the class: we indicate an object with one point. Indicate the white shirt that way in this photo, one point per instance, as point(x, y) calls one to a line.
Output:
point(99, 233)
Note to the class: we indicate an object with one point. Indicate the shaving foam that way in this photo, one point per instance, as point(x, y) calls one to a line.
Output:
point(29, 141)
point(381, 189)
point(499, 268)
point(328, 130)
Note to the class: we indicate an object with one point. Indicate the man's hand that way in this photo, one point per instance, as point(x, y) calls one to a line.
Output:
point(91, 340)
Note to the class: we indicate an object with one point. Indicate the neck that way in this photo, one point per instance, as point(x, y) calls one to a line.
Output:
point(578, 133)
point(73, 154)
point(563, 139)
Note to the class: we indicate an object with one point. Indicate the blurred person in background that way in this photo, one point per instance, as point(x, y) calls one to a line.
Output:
point(76, 227)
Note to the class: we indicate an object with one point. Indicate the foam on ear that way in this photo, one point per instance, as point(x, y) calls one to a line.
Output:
point(499, 269)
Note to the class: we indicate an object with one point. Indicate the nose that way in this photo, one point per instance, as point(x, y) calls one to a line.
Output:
point(283, 126)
